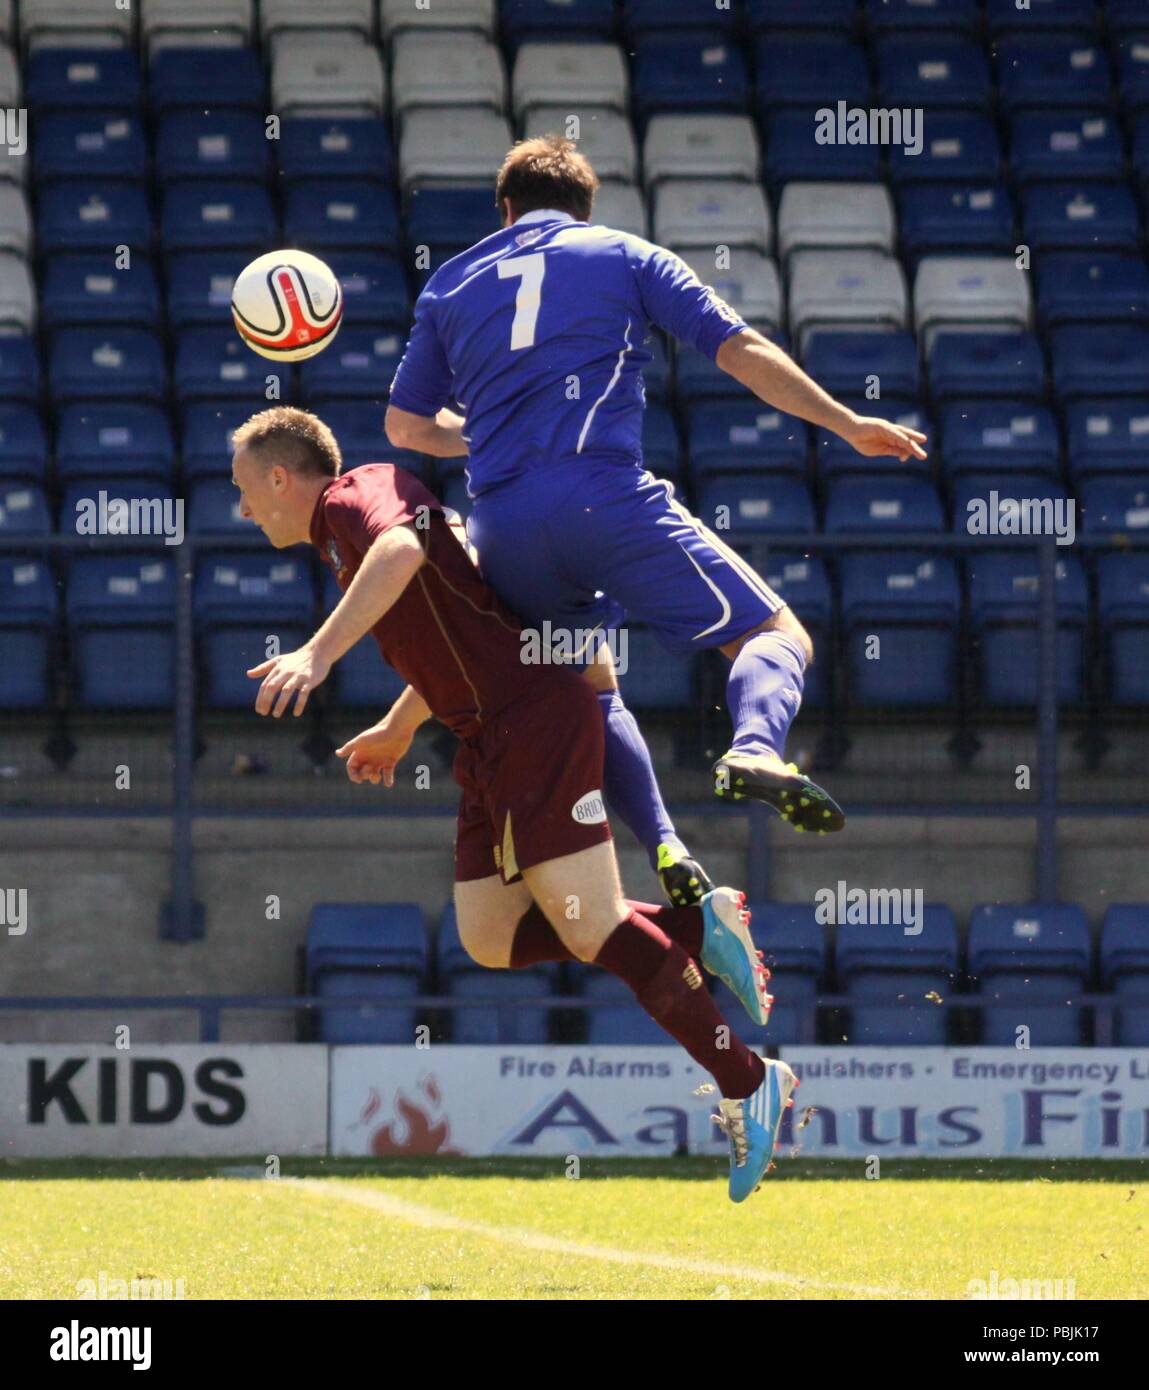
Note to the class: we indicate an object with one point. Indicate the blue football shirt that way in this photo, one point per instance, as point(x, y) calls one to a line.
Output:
point(538, 333)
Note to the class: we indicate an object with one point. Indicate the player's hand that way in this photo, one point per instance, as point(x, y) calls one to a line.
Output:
point(879, 438)
point(294, 674)
point(373, 755)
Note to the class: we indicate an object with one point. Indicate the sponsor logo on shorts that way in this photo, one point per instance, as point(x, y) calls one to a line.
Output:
point(589, 809)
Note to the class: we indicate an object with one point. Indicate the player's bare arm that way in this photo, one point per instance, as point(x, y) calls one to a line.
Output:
point(774, 377)
point(440, 435)
point(373, 755)
point(387, 569)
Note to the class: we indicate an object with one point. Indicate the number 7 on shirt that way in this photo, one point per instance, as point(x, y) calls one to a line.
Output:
point(530, 271)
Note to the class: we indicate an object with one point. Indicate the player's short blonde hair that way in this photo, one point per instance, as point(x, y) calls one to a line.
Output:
point(291, 438)
point(547, 172)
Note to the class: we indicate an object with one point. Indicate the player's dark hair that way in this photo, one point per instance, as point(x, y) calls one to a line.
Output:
point(547, 172)
point(292, 438)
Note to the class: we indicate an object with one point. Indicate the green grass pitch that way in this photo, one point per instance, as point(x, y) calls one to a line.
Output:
point(523, 1229)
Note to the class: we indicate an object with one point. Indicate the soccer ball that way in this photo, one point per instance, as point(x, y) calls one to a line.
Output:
point(287, 305)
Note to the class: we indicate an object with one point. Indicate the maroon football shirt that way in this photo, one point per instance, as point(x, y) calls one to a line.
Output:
point(447, 634)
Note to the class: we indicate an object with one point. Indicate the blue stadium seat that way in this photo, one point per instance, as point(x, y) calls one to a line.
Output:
point(463, 978)
point(96, 216)
point(213, 509)
point(661, 447)
point(1115, 506)
point(1125, 968)
point(883, 503)
point(106, 364)
point(793, 944)
point(1003, 593)
point(375, 289)
point(834, 15)
point(206, 78)
point(241, 600)
point(909, 603)
point(845, 363)
point(688, 71)
point(350, 147)
point(29, 609)
point(957, 146)
point(901, 16)
point(1132, 55)
point(988, 436)
point(82, 79)
point(1044, 16)
point(652, 681)
point(366, 949)
point(802, 582)
point(326, 214)
point(1086, 355)
point(986, 364)
point(1080, 217)
point(117, 506)
point(23, 445)
point(121, 617)
point(199, 286)
point(121, 439)
point(1065, 145)
point(547, 20)
point(205, 437)
point(1040, 954)
point(359, 365)
point(744, 436)
point(1106, 436)
point(793, 150)
point(199, 215)
point(696, 379)
point(224, 144)
point(450, 219)
point(1140, 151)
point(216, 364)
point(19, 369)
point(89, 290)
point(754, 503)
point(1036, 70)
point(23, 510)
point(89, 145)
point(810, 71)
point(942, 218)
point(834, 456)
point(363, 680)
point(1126, 16)
point(622, 1022)
point(358, 426)
point(1079, 287)
point(891, 976)
point(1123, 615)
point(644, 17)
point(931, 71)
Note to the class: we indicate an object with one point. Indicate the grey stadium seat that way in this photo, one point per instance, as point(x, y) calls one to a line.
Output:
point(357, 15)
point(846, 289)
point(826, 216)
point(711, 212)
point(398, 15)
point(7, 14)
point(604, 136)
point(751, 286)
point(78, 23)
point(438, 70)
point(454, 144)
point(15, 219)
point(620, 205)
point(330, 77)
point(700, 147)
point(166, 22)
point(581, 74)
point(985, 292)
point(17, 294)
point(9, 79)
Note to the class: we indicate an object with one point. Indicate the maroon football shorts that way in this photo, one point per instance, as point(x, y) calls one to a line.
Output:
point(532, 782)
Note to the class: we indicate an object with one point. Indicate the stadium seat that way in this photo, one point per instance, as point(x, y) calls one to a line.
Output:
point(435, 69)
point(687, 70)
point(1123, 615)
point(794, 950)
point(15, 220)
point(363, 680)
point(1125, 968)
point(802, 582)
point(834, 456)
point(17, 317)
point(750, 284)
point(199, 215)
point(1003, 596)
point(1132, 61)
point(344, 79)
point(116, 506)
point(956, 147)
point(89, 144)
point(619, 1021)
point(1008, 436)
point(747, 504)
point(931, 71)
point(458, 145)
point(1036, 70)
point(29, 610)
point(19, 361)
point(1104, 436)
point(810, 70)
point(215, 364)
point(213, 509)
point(89, 291)
point(219, 144)
point(205, 441)
point(1115, 506)
point(765, 15)
point(546, 19)
point(900, 16)
point(937, 218)
point(462, 977)
point(47, 19)
point(206, 79)
point(700, 146)
point(711, 212)
point(79, 215)
point(744, 436)
point(964, 364)
point(23, 510)
point(650, 681)
point(846, 363)
point(834, 216)
point(982, 291)
point(1041, 955)
point(124, 364)
point(642, 17)
point(359, 365)
point(79, 79)
point(122, 439)
point(1065, 146)
point(23, 444)
point(890, 976)
point(622, 207)
point(358, 426)
point(1080, 287)
point(375, 292)
point(1124, 16)
point(569, 75)
point(605, 136)
point(794, 149)
point(369, 950)
point(199, 285)
point(332, 215)
point(335, 148)
point(1080, 217)
point(1043, 16)
point(121, 617)
point(242, 600)
point(840, 288)
point(356, 16)
point(1085, 356)
point(882, 503)
point(210, 22)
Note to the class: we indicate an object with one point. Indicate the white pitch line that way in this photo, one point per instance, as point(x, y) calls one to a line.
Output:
point(430, 1218)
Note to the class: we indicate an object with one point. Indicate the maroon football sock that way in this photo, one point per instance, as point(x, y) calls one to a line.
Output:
point(669, 986)
point(682, 924)
point(536, 940)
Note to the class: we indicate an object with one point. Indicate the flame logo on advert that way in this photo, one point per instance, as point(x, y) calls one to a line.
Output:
point(414, 1128)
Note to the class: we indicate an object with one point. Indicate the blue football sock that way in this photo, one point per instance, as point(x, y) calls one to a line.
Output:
point(764, 691)
point(630, 784)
